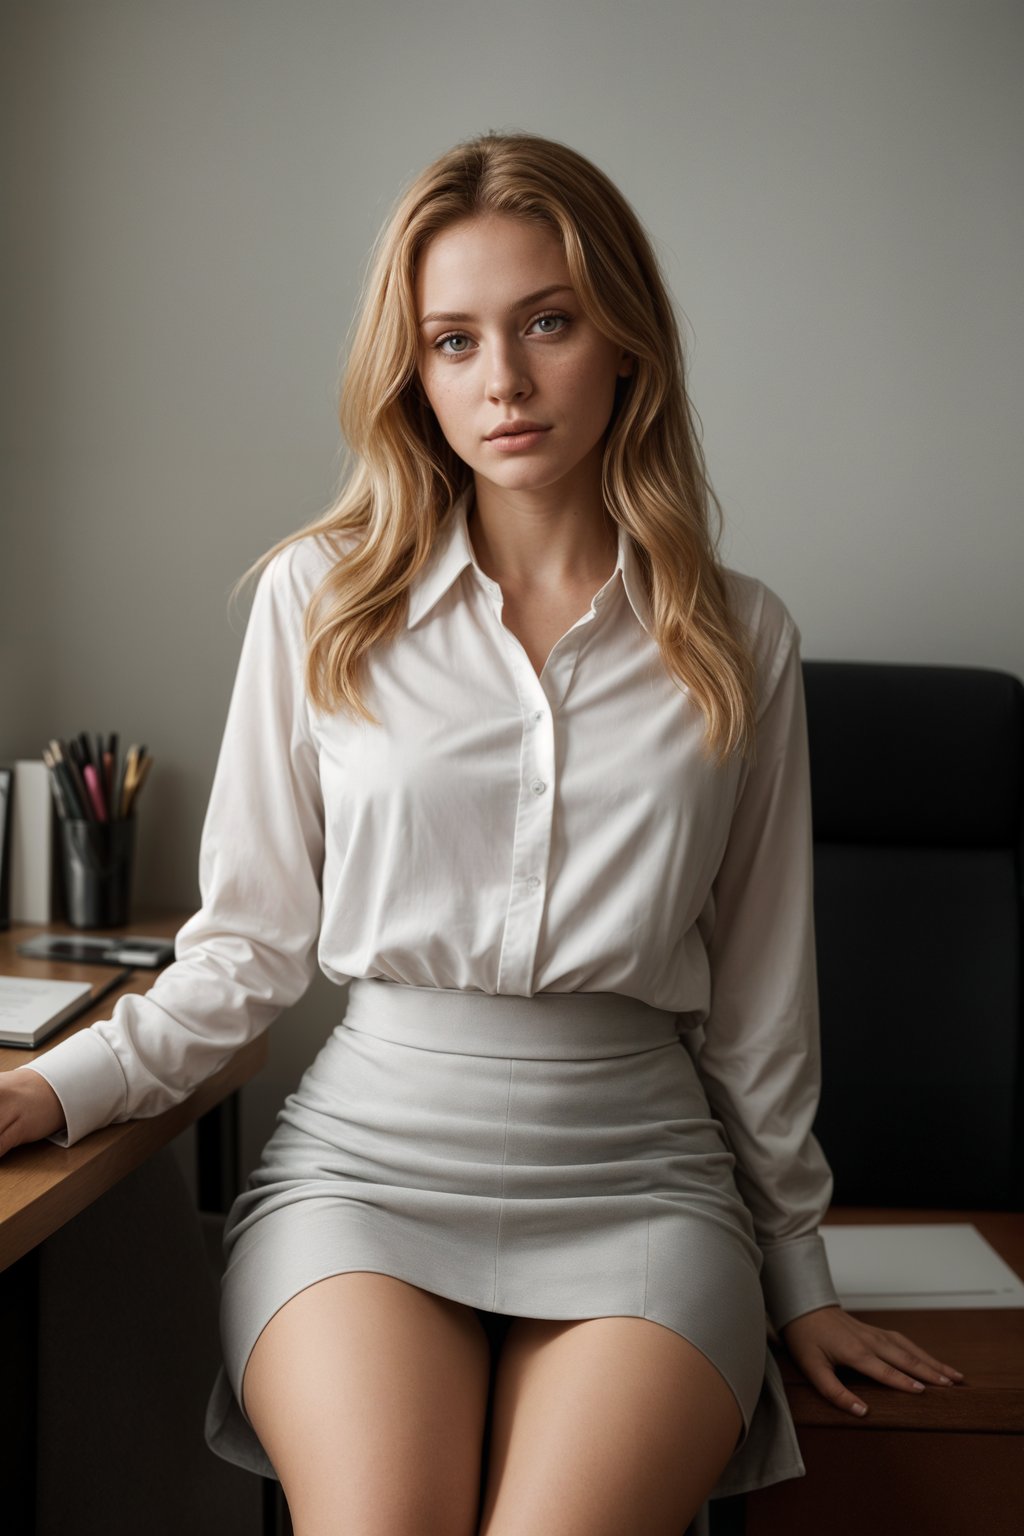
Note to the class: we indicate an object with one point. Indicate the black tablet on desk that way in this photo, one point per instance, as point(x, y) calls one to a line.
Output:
point(113, 949)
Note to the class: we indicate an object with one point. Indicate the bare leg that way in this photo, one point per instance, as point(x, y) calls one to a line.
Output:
point(613, 1426)
point(369, 1396)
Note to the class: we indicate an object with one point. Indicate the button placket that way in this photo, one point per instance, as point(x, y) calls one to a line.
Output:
point(535, 811)
point(532, 845)
point(538, 701)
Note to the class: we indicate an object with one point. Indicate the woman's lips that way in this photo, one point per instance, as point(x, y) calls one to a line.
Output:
point(510, 442)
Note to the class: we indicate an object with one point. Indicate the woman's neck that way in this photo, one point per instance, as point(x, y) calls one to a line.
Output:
point(541, 541)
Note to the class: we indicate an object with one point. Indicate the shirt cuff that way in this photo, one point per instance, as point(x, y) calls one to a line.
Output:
point(795, 1278)
point(85, 1075)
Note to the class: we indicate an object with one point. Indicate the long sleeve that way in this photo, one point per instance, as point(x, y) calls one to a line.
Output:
point(250, 950)
point(760, 1059)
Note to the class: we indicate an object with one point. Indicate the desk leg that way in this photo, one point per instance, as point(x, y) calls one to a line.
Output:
point(217, 1155)
point(19, 1307)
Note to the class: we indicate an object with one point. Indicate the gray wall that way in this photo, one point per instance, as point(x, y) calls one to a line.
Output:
point(834, 187)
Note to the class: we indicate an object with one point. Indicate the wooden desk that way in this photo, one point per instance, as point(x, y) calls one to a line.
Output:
point(42, 1186)
point(947, 1462)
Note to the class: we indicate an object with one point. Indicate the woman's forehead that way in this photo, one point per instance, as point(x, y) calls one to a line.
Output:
point(490, 257)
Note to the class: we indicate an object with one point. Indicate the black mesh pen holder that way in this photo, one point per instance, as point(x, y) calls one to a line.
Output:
point(96, 859)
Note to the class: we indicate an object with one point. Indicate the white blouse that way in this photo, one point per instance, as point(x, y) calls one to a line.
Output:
point(506, 833)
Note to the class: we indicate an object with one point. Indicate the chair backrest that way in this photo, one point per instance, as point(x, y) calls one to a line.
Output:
point(917, 780)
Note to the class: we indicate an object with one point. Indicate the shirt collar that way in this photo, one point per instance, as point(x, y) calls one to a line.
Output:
point(451, 554)
point(454, 552)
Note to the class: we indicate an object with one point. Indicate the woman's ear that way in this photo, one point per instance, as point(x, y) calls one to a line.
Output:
point(626, 364)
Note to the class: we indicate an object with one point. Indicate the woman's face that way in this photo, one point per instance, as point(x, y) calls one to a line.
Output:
point(503, 338)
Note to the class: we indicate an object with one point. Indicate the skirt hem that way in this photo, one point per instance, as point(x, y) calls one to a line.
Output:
point(230, 1435)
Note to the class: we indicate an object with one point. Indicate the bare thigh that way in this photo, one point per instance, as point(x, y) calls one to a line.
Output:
point(369, 1396)
point(611, 1426)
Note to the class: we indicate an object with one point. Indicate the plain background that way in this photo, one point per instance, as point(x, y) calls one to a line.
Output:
point(833, 188)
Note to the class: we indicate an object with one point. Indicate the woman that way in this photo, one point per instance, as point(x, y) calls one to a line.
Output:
point(532, 763)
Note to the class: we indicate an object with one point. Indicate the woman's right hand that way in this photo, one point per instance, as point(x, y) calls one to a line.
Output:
point(29, 1109)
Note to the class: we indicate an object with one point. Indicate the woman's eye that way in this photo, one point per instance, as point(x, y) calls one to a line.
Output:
point(442, 343)
point(557, 323)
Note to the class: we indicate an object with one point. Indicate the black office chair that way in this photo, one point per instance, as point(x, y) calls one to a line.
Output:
point(917, 778)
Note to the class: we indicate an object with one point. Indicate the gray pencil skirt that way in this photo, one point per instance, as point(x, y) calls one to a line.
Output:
point(549, 1156)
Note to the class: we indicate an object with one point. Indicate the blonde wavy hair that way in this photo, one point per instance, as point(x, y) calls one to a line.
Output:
point(401, 479)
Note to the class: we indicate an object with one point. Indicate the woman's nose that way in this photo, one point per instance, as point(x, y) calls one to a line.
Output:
point(507, 376)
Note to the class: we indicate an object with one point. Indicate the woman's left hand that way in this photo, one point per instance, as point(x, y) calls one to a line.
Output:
point(827, 1337)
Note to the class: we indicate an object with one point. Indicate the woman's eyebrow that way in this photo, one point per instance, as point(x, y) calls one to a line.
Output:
point(530, 298)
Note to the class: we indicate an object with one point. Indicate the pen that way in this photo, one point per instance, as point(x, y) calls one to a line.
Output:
point(74, 755)
point(139, 780)
point(94, 786)
point(78, 808)
point(108, 782)
point(112, 746)
point(79, 793)
point(128, 771)
point(68, 803)
point(56, 786)
point(131, 777)
point(122, 777)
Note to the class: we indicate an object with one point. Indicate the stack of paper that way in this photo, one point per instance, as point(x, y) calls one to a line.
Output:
point(934, 1265)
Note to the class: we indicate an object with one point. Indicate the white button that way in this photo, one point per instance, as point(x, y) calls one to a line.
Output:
point(532, 883)
point(538, 786)
point(538, 714)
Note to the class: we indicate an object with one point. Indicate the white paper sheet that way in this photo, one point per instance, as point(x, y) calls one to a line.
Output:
point(928, 1266)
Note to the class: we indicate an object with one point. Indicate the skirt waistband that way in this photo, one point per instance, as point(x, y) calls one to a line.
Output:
point(546, 1026)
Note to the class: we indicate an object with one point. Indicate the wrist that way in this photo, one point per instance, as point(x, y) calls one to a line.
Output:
point(831, 1306)
point(45, 1111)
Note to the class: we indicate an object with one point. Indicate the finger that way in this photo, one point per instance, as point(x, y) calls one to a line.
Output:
point(833, 1390)
point(870, 1363)
point(918, 1362)
point(897, 1348)
point(921, 1366)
